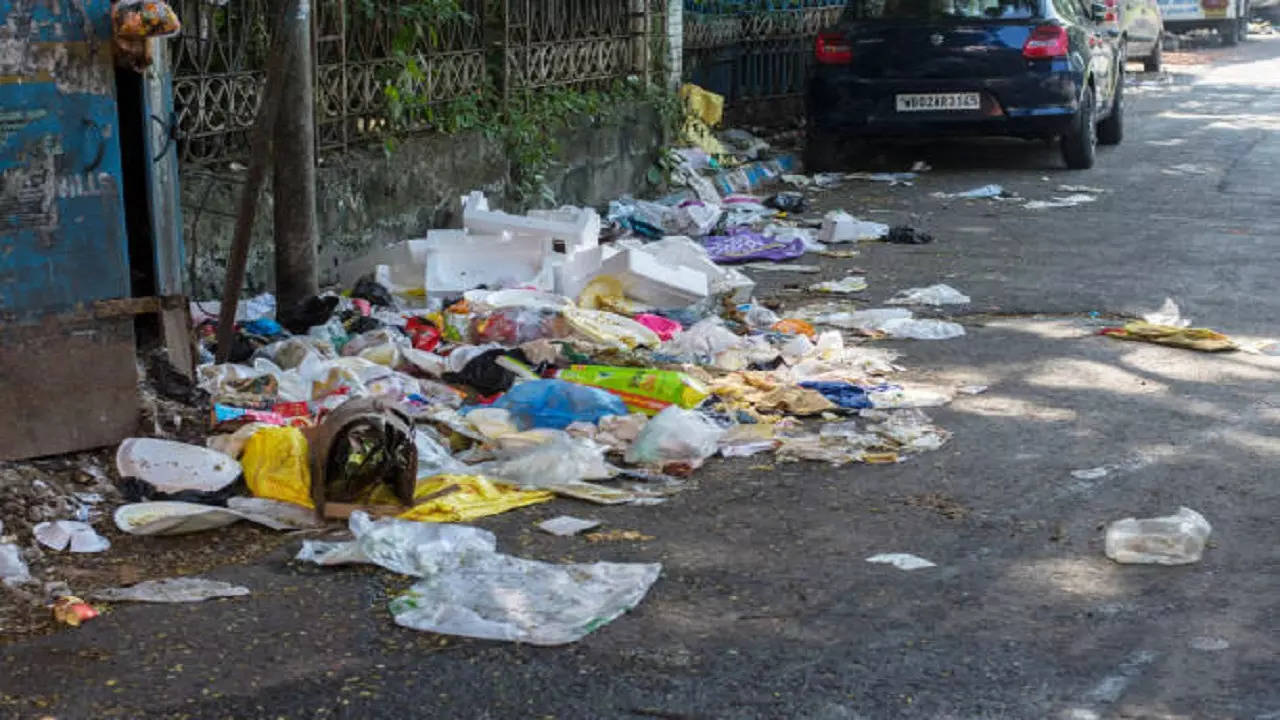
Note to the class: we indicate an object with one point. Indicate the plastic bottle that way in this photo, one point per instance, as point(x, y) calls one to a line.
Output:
point(1170, 540)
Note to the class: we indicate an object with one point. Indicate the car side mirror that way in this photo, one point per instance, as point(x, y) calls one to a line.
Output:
point(1098, 11)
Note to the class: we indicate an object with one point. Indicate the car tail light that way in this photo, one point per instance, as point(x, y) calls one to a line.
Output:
point(834, 49)
point(1111, 15)
point(1046, 41)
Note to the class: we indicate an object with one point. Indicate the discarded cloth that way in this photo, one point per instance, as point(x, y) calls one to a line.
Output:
point(743, 244)
point(470, 589)
point(846, 395)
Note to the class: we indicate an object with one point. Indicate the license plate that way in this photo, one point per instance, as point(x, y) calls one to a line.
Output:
point(926, 102)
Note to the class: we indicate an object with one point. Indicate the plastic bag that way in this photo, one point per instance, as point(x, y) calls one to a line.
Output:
point(923, 329)
point(610, 329)
point(13, 570)
point(171, 590)
point(940, 294)
point(460, 498)
point(703, 341)
point(554, 462)
point(277, 465)
point(642, 389)
point(143, 19)
point(556, 404)
point(675, 436)
point(1177, 539)
point(472, 590)
point(839, 226)
point(664, 328)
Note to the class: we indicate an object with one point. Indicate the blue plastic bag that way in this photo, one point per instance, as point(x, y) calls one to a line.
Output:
point(556, 403)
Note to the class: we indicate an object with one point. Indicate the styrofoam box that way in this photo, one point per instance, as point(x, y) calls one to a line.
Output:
point(647, 279)
point(457, 261)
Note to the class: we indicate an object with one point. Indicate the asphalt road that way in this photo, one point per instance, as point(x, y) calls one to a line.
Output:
point(766, 607)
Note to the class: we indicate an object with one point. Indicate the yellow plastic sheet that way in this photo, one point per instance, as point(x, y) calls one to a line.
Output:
point(704, 110)
point(1201, 339)
point(461, 498)
point(276, 465)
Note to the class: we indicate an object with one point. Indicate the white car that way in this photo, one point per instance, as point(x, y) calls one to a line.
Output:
point(1229, 17)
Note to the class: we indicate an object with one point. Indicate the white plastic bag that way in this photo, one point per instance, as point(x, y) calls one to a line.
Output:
point(675, 435)
point(839, 226)
point(1177, 539)
point(472, 590)
point(63, 534)
point(923, 329)
point(940, 294)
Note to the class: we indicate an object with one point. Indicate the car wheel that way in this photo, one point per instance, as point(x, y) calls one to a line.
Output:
point(825, 151)
point(1111, 130)
point(1229, 31)
point(1081, 144)
point(1154, 62)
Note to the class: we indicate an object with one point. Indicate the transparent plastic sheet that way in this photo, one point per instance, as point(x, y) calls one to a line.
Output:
point(557, 460)
point(910, 429)
point(13, 570)
point(1177, 539)
point(171, 590)
point(472, 590)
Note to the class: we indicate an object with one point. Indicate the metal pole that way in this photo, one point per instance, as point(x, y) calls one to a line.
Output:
point(295, 167)
point(268, 107)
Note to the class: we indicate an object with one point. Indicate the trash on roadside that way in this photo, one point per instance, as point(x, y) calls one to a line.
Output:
point(171, 590)
point(851, 284)
point(13, 569)
point(1176, 539)
point(940, 294)
point(617, 536)
point(277, 465)
point(173, 467)
point(906, 235)
point(984, 192)
point(922, 329)
point(566, 526)
point(1060, 202)
point(71, 610)
point(558, 403)
point(462, 498)
point(902, 561)
point(1201, 339)
point(1168, 314)
point(168, 517)
point(839, 226)
point(675, 437)
point(742, 244)
point(79, 537)
point(893, 178)
point(642, 389)
point(362, 446)
point(470, 589)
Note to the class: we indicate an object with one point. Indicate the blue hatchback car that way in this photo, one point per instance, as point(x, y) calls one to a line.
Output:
point(1026, 68)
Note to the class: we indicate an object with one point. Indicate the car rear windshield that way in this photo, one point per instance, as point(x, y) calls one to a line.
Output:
point(943, 10)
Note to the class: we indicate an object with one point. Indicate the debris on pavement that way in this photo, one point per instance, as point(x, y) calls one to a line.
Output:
point(171, 590)
point(470, 589)
point(71, 610)
point(1060, 202)
point(1168, 314)
point(13, 569)
point(566, 525)
point(79, 537)
point(984, 192)
point(617, 536)
point(1189, 338)
point(851, 284)
point(907, 235)
point(1177, 539)
point(902, 561)
point(940, 294)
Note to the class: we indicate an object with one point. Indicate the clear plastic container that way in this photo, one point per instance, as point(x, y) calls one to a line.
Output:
point(1170, 540)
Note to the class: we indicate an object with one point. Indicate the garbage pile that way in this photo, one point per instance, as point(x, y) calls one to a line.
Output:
point(519, 359)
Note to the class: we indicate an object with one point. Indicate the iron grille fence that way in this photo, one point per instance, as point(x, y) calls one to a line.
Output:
point(365, 52)
point(755, 52)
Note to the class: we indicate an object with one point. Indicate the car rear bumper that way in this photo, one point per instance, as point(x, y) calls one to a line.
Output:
point(1032, 104)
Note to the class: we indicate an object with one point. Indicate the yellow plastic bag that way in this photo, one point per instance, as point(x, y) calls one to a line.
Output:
point(460, 498)
point(703, 104)
point(276, 465)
